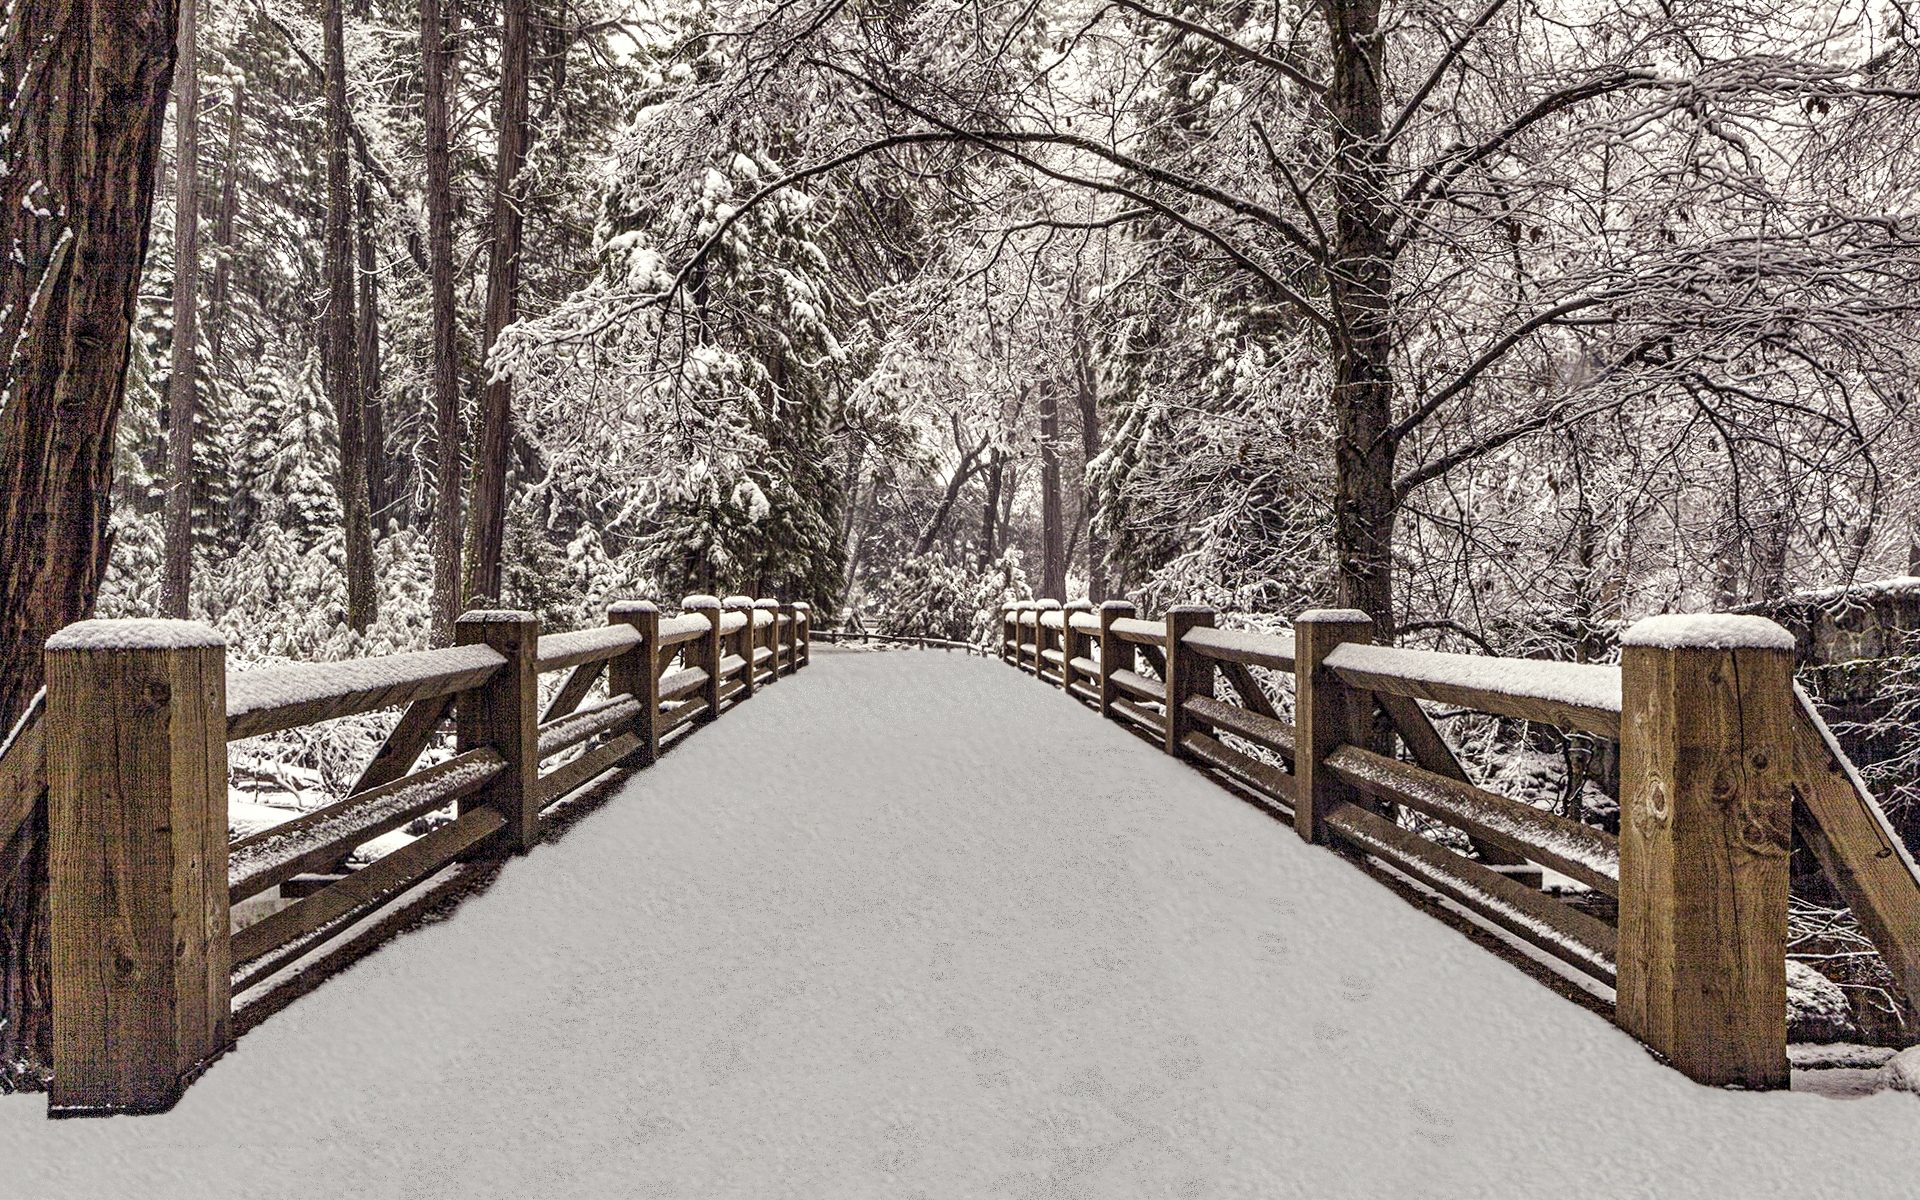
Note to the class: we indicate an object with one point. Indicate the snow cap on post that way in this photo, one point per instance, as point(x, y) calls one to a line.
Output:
point(802, 606)
point(1116, 606)
point(496, 615)
point(1047, 605)
point(140, 633)
point(1707, 631)
point(699, 602)
point(631, 606)
point(1081, 605)
point(763, 603)
point(737, 602)
point(1332, 614)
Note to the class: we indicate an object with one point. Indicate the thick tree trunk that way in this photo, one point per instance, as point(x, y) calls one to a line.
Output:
point(990, 515)
point(1362, 281)
point(343, 372)
point(434, 42)
point(88, 94)
point(367, 345)
point(956, 482)
point(1087, 394)
point(1053, 524)
point(503, 287)
point(182, 395)
point(87, 98)
point(223, 228)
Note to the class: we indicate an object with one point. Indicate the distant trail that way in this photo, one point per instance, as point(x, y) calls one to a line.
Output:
point(908, 925)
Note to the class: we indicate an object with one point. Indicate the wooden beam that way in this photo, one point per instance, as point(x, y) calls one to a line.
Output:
point(500, 713)
point(137, 816)
point(1327, 712)
point(1706, 817)
point(402, 748)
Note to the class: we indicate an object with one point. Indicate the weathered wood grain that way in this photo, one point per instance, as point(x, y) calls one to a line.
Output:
point(328, 835)
point(1706, 815)
point(137, 799)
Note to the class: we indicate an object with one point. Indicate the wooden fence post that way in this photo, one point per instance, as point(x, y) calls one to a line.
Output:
point(1326, 712)
point(1009, 633)
point(1115, 653)
point(1043, 637)
point(772, 609)
point(712, 649)
point(1188, 673)
point(504, 713)
point(743, 639)
point(792, 653)
point(1706, 779)
point(1073, 643)
point(136, 744)
point(637, 672)
point(803, 633)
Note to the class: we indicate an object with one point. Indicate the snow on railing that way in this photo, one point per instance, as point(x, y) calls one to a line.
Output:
point(136, 733)
point(1694, 747)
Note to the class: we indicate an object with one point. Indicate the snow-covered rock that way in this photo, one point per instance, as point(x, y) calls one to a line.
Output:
point(1817, 1009)
point(1902, 1072)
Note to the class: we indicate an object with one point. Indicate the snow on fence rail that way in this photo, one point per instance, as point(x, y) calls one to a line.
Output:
point(128, 748)
point(1716, 746)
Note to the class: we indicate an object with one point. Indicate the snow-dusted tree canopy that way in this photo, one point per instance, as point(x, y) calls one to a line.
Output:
point(1506, 322)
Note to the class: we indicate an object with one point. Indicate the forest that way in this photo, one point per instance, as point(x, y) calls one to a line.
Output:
point(1507, 322)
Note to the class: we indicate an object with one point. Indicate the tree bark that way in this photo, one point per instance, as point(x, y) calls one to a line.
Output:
point(367, 343)
point(87, 98)
point(223, 228)
point(503, 286)
point(1361, 277)
point(1087, 394)
point(182, 394)
point(88, 94)
point(343, 375)
point(990, 516)
point(435, 40)
point(1053, 531)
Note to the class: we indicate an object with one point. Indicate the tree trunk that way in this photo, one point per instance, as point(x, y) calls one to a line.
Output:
point(182, 396)
point(437, 88)
point(503, 286)
point(86, 95)
point(990, 516)
point(343, 372)
point(1053, 526)
point(223, 228)
point(1088, 395)
point(367, 343)
point(1361, 276)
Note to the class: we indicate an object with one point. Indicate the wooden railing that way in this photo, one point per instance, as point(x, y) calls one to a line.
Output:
point(1716, 747)
point(129, 747)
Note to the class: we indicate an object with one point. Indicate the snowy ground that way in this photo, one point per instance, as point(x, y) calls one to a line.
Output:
point(913, 925)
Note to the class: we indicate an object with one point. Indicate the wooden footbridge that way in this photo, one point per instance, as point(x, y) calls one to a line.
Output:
point(1721, 761)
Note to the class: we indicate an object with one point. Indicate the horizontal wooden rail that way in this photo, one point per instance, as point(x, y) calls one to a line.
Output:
point(1274, 651)
point(681, 684)
point(1275, 735)
point(570, 776)
point(326, 835)
point(383, 878)
point(270, 699)
point(558, 651)
point(1140, 633)
point(1573, 848)
point(675, 630)
point(1698, 955)
point(1566, 933)
point(1567, 695)
point(141, 1008)
point(617, 712)
point(1140, 685)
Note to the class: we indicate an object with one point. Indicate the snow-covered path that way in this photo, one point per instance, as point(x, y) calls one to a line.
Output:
point(912, 925)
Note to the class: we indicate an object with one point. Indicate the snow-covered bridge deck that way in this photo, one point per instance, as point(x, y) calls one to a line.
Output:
point(909, 926)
